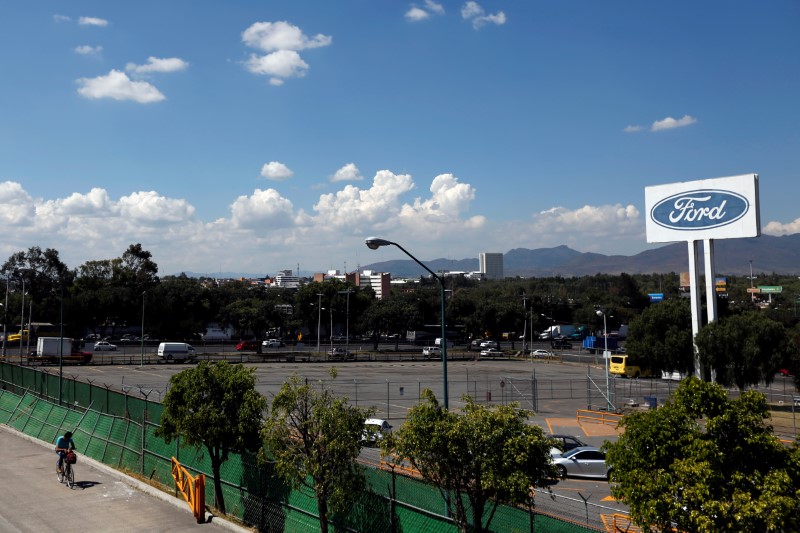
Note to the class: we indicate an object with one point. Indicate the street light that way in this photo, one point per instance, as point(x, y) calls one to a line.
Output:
point(373, 243)
point(141, 339)
point(347, 323)
point(319, 316)
point(602, 313)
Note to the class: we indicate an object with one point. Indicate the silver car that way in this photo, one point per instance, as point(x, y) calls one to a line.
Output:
point(583, 461)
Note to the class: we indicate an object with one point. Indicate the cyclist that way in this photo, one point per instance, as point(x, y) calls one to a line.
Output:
point(63, 445)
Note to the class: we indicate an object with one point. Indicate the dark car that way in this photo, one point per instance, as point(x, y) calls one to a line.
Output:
point(247, 345)
point(566, 443)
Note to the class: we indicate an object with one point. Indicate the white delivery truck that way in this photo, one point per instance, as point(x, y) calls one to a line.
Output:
point(54, 349)
point(554, 332)
point(176, 351)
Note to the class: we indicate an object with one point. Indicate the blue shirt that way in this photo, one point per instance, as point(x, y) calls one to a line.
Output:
point(64, 443)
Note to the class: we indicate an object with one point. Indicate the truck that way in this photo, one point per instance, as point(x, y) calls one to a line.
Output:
point(50, 349)
point(598, 343)
point(560, 330)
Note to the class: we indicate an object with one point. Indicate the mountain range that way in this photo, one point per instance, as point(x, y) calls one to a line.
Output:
point(778, 255)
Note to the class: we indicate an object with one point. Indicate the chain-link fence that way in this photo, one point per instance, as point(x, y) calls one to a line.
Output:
point(118, 429)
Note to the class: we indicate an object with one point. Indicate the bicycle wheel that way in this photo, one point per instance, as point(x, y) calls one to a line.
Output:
point(69, 475)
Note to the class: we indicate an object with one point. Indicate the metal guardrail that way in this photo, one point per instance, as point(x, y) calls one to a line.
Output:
point(193, 489)
point(600, 417)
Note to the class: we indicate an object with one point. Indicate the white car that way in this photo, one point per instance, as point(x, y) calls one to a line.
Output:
point(104, 346)
point(431, 351)
point(491, 352)
point(583, 461)
point(374, 431)
point(490, 344)
point(272, 343)
point(542, 354)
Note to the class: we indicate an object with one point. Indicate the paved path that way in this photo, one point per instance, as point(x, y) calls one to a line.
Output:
point(32, 499)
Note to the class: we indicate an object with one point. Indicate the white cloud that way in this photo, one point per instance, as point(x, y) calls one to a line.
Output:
point(87, 50)
point(434, 7)
point(61, 18)
point(271, 36)
point(281, 40)
point(18, 206)
point(276, 171)
point(264, 210)
point(92, 21)
point(280, 64)
point(264, 232)
point(155, 64)
point(349, 172)
point(779, 228)
point(473, 11)
point(118, 86)
point(671, 123)
point(632, 129)
point(415, 14)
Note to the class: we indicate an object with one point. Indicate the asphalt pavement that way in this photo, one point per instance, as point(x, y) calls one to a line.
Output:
point(103, 499)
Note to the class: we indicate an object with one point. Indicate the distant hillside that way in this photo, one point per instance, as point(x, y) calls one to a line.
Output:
point(769, 254)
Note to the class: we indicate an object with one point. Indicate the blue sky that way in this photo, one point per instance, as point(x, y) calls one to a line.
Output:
point(259, 136)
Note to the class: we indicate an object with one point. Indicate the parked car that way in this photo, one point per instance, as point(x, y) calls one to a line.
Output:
point(339, 353)
point(104, 346)
point(247, 345)
point(565, 443)
point(375, 429)
point(272, 343)
point(431, 351)
point(491, 352)
point(583, 461)
point(490, 344)
point(542, 354)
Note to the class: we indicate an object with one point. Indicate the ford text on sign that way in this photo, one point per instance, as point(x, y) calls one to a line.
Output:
point(720, 208)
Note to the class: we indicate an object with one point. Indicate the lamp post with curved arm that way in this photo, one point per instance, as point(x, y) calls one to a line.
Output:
point(606, 356)
point(373, 243)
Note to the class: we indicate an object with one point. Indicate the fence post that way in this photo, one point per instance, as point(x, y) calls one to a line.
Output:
point(144, 439)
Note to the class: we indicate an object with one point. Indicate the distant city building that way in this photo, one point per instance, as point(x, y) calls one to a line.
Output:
point(491, 265)
point(287, 280)
point(381, 282)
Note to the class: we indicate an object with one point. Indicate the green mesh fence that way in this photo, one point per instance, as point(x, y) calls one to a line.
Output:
point(119, 430)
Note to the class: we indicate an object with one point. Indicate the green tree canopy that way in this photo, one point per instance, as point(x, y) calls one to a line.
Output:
point(313, 435)
point(704, 462)
point(216, 406)
point(745, 349)
point(486, 456)
point(662, 335)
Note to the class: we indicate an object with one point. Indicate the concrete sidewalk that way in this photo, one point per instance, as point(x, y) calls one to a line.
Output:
point(104, 499)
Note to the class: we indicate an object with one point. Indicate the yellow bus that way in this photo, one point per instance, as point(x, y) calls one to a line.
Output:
point(629, 366)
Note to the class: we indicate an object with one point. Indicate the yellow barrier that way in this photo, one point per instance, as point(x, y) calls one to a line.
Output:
point(193, 490)
point(598, 416)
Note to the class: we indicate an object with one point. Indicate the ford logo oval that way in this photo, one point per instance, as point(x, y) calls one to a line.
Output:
point(700, 209)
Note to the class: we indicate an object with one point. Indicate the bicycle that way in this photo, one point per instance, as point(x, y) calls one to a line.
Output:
point(67, 473)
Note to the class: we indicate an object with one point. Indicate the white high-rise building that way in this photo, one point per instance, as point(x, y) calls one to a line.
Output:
point(491, 265)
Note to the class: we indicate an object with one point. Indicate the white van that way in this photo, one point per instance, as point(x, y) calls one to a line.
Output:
point(176, 351)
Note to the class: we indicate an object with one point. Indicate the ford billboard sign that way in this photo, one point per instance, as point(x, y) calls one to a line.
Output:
point(720, 208)
point(700, 209)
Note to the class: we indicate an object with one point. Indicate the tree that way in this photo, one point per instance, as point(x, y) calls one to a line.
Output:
point(311, 434)
point(486, 456)
point(216, 406)
point(745, 349)
point(703, 462)
point(662, 335)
